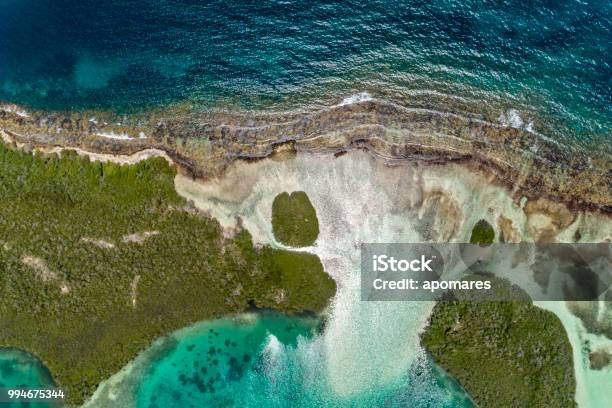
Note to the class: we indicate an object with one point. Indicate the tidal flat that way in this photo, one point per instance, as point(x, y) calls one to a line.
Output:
point(360, 198)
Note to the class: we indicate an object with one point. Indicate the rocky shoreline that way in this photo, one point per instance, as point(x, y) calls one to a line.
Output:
point(204, 144)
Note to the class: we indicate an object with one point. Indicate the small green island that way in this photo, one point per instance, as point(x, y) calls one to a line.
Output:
point(294, 219)
point(97, 260)
point(482, 234)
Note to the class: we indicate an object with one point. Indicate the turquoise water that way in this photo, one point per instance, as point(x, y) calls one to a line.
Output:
point(549, 60)
point(269, 360)
point(21, 370)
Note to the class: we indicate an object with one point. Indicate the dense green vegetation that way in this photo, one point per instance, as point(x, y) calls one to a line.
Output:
point(305, 286)
point(482, 233)
point(84, 299)
point(505, 354)
point(294, 219)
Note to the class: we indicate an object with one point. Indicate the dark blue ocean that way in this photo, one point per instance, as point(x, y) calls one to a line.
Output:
point(549, 62)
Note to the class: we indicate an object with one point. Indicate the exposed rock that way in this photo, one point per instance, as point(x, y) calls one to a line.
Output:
point(441, 217)
point(138, 237)
point(545, 219)
point(559, 214)
point(600, 359)
point(66, 124)
point(205, 143)
point(100, 243)
point(508, 233)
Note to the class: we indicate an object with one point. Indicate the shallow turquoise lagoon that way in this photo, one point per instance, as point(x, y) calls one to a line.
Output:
point(269, 360)
point(21, 370)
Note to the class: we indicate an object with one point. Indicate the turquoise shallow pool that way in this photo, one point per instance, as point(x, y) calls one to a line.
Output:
point(21, 370)
point(255, 360)
point(269, 360)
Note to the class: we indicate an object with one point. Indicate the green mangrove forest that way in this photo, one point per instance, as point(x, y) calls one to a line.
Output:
point(504, 353)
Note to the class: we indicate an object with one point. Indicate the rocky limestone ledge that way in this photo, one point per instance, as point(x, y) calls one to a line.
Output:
point(203, 144)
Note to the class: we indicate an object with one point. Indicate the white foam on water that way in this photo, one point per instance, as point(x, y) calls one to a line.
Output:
point(272, 354)
point(16, 110)
point(512, 118)
point(356, 98)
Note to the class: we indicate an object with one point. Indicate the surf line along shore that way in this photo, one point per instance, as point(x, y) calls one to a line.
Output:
point(204, 144)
